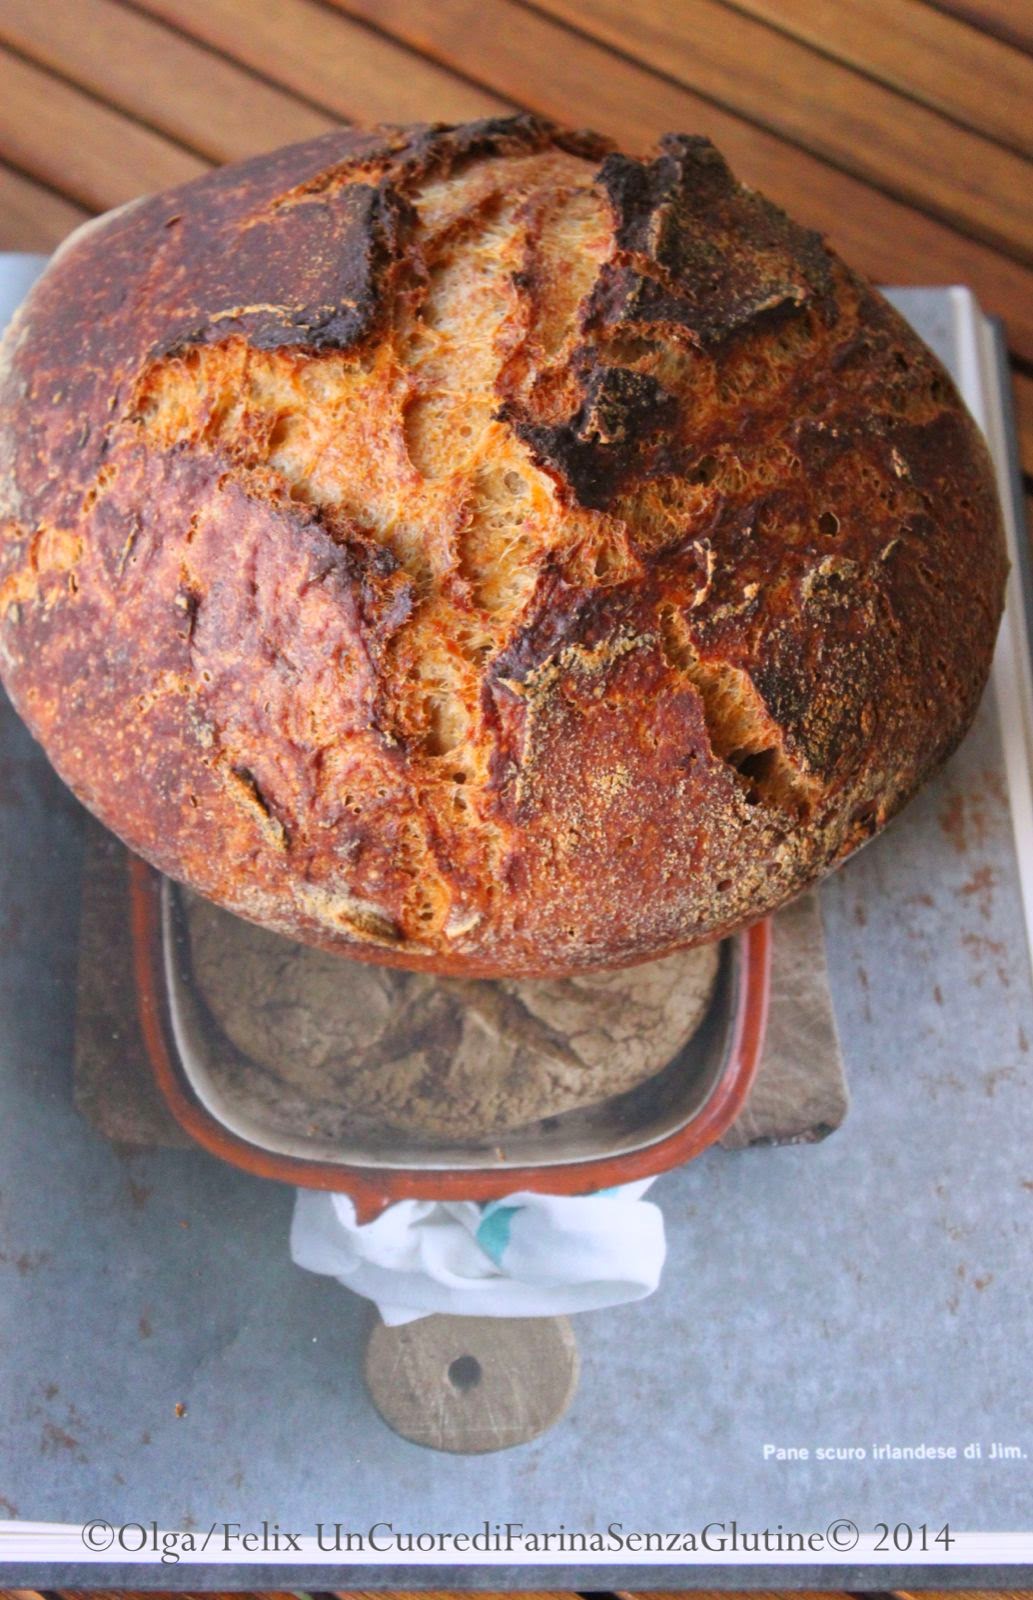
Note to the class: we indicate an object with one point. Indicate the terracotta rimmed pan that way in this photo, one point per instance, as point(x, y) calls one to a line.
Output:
point(636, 1136)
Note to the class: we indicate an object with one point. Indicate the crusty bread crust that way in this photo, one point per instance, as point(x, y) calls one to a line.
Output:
point(472, 550)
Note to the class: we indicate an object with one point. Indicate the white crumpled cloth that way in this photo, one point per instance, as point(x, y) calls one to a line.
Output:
point(529, 1255)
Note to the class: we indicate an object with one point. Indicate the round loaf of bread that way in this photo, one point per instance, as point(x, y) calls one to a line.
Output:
point(475, 550)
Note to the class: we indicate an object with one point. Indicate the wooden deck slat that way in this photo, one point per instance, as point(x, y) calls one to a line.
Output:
point(337, 64)
point(827, 108)
point(139, 66)
point(524, 55)
point(31, 217)
point(1022, 392)
point(925, 54)
point(962, 1594)
point(720, 1594)
point(93, 155)
point(456, 1594)
point(183, 1594)
point(1011, 20)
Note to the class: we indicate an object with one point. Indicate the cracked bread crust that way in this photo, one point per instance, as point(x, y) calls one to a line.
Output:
point(474, 550)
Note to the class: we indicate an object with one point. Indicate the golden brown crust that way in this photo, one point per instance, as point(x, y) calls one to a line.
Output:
point(474, 551)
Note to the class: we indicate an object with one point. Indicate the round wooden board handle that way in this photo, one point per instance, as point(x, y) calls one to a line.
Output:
point(472, 1384)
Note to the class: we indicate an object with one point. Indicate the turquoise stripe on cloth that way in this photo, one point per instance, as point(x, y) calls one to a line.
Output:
point(493, 1231)
point(495, 1226)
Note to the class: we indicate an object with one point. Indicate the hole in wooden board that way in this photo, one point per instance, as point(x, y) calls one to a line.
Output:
point(472, 1384)
point(465, 1372)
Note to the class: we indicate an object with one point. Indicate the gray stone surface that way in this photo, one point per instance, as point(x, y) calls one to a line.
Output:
point(870, 1288)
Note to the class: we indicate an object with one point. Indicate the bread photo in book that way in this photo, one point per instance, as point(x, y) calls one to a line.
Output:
point(371, 1047)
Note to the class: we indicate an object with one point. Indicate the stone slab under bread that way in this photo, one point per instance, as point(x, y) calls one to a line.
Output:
point(800, 1091)
point(816, 1290)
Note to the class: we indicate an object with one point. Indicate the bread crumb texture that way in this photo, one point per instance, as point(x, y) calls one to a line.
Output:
point(474, 549)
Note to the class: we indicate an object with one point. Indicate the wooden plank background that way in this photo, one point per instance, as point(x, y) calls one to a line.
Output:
point(900, 128)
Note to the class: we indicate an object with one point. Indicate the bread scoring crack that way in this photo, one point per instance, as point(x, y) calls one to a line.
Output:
point(742, 732)
point(400, 446)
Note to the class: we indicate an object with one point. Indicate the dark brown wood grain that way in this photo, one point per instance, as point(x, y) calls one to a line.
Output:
point(808, 97)
point(926, 54)
point(334, 63)
point(455, 1594)
point(32, 216)
point(962, 1594)
point(1010, 20)
point(718, 1594)
point(153, 73)
point(559, 71)
point(1022, 392)
point(818, 1594)
point(83, 148)
point(182, 1594)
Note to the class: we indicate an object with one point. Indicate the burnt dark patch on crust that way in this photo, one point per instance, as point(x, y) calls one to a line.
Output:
point(678, 269)
point(565, 617)
point(343, 244)
point(246, 785)
point(603, 442)
point(359, 567)
point(441, 148)
point(678, 262)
